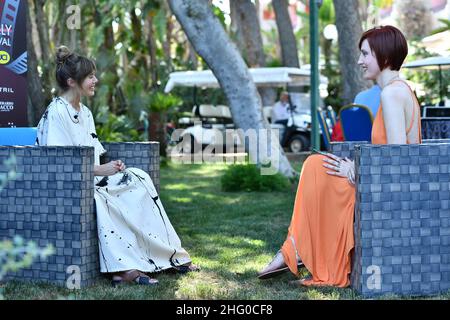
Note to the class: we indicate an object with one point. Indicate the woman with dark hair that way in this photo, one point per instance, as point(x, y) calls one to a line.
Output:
point(135, 234)
point(320, 235)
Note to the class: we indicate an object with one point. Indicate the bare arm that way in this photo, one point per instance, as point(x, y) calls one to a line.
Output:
point(393, 102)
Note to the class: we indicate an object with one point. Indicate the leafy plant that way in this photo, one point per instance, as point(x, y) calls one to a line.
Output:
point(18, 254)
point(160, 102)
point(247, 177)
point(11, 175)
point(428, 92)
point(446, 26)
point(113, 128)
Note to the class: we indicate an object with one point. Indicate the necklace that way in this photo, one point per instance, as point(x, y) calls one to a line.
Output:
point(76, 116)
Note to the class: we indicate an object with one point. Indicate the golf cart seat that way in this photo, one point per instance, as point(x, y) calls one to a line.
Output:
point(225, 111)
point(195, 114)
point(209, 111)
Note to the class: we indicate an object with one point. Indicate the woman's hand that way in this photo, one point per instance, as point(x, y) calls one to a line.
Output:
point(110, 168)
point(119, 165)
point(344, 168)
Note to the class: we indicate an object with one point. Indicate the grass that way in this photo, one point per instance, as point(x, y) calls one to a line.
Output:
point(230, 235)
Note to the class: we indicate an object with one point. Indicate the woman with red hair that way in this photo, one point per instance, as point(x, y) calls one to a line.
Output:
point(320, 235)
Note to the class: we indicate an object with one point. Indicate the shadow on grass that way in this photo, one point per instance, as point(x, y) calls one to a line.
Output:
point(230, 235)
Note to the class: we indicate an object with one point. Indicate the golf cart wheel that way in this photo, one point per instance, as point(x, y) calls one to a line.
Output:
point(189, 145)
point(298, 143)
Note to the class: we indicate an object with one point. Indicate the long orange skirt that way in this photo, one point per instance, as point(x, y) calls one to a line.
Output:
point(321, 230)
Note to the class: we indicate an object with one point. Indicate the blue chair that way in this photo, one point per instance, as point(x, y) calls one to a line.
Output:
point(18, 136)
point(356, 121)
point(324, 128)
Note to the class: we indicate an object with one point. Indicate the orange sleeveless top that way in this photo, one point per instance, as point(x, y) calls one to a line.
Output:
point(379, 130)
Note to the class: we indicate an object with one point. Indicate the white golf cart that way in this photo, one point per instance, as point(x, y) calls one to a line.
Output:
point(206, 120)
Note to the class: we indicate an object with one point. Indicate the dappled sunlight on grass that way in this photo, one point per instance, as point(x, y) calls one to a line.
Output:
point(208, 286)
point(183, 200)
point(234, 237)
point(228, 250)
point(218, 242)
point(209, 170)
point(184, 187)
point(314, 294)
point(230, 235)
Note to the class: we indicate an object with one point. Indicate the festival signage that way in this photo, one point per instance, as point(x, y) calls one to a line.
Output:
point(13, 63)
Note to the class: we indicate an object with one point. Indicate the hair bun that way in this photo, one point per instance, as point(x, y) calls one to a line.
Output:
point(62, 54)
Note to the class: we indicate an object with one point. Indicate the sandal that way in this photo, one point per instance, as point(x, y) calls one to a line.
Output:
point(185, 268)
point(277, 271)
point(133, 276)
point(272, 273)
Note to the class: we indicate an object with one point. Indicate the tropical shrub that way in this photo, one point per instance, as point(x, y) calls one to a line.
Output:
point(247, 177)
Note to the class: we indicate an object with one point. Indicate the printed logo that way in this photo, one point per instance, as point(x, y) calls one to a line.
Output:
point(4, 57)
point(6, 106)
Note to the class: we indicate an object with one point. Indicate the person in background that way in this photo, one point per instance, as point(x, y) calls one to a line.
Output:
point(280, 111)
point(370, 98)
point(336, 132)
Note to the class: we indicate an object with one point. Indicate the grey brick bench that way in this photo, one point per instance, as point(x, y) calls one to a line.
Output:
point(402, 218)
point(52, 202)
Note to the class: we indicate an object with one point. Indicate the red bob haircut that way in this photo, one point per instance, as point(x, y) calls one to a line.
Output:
point(388, 44)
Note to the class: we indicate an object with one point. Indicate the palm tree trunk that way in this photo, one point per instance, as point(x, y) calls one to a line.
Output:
point(35, 90)
point(247, 34)
point(288, 43)
point(349, 29)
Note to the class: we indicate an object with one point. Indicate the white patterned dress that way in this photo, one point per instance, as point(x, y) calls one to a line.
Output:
point(133, 228)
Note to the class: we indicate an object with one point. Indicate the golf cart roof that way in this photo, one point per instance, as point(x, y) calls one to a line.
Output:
point(262, 77)
point(429, 63)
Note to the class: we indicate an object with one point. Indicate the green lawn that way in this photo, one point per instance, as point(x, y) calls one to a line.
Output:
point(230, 235)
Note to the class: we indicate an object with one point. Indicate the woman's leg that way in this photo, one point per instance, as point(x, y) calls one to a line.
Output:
point(321, 229)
